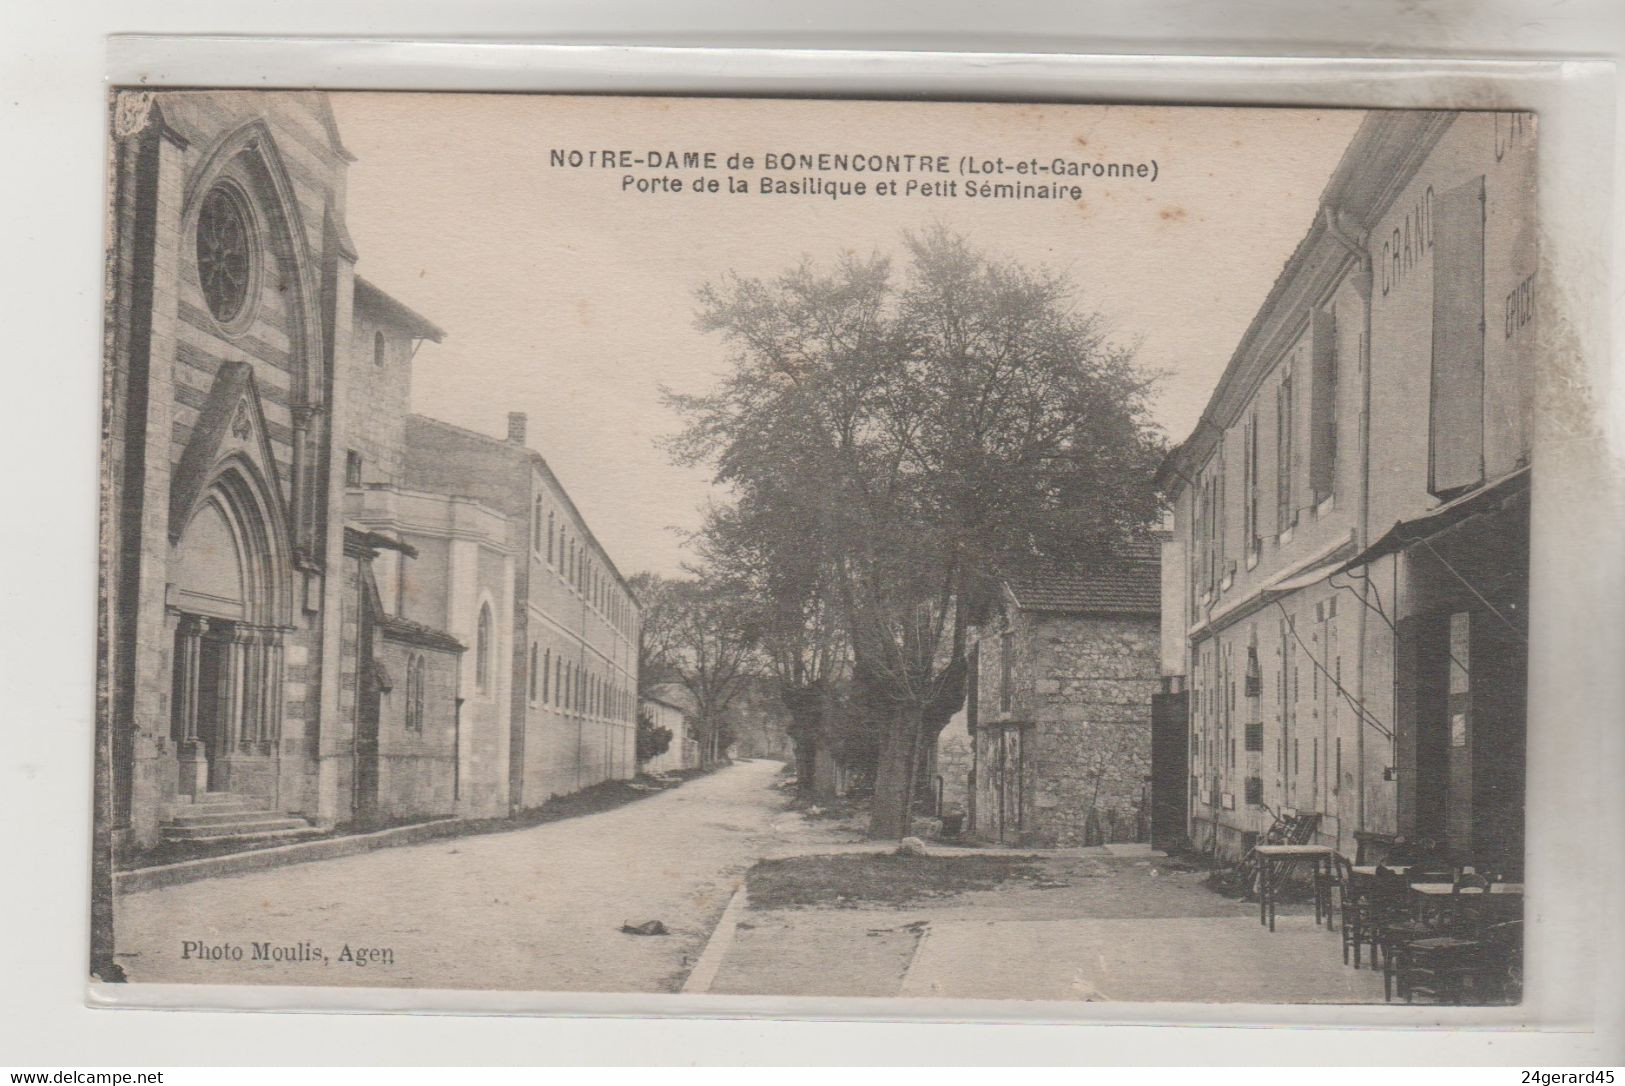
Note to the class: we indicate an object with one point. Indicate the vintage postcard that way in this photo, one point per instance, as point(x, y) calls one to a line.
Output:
point(815, 548)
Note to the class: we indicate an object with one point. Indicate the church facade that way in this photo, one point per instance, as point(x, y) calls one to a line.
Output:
point(300, 630)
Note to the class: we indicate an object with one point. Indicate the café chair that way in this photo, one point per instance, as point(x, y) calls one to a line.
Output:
point(1467, 957)
point(1398, 923)
point(1355, 908)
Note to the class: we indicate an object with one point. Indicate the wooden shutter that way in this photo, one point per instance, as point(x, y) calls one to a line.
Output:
point(1456, 401)
point(1323, 405)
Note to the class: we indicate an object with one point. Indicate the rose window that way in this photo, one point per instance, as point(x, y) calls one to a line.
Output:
point(224, 254)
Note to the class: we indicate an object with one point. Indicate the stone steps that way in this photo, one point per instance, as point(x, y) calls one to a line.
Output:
point(214, 812)
point(248, 826)
point(220, 817)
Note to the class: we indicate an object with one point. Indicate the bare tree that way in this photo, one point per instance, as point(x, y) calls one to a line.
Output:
point(773, 558)
point(702, 636)
point(657, 630)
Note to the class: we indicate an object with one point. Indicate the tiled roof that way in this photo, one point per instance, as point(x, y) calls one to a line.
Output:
point(1127, 583)
point(397, 628)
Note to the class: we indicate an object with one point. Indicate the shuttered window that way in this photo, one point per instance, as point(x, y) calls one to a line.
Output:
point(1456, 401)
point(1323, 406)
point(1285, 413)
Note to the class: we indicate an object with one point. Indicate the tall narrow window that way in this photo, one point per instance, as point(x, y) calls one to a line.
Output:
point(412, 665)
point(547, 664)
point(550, 539)
point(379, 354)
point(352, 468)
point(973, 689)
point(1007, 652)
point(417, 694)
point(536, 526)
point(482, 650)
point(534, 676)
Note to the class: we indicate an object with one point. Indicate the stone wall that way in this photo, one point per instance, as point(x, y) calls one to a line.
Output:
point(1090, 749)
point(166, 353)
point(417, 763)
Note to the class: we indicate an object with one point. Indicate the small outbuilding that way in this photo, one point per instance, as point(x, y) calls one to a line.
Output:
point(1057, 719)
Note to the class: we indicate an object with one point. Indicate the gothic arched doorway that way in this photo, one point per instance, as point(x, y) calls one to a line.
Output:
point(228, 598)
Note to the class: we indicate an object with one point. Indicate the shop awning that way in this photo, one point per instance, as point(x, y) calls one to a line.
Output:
point(1276, 589)
point(1319, 566)
point(1486, 499)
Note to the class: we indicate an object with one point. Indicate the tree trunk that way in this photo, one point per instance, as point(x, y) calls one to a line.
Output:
point(826, 785)
point(826, 781)
point(806, 748)
point(803, 704)
point(895, 776)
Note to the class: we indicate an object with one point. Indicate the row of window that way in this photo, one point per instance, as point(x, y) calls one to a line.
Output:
point(566, 684)
point(554, 680)
point(1452, 228)
point(1214, 742)
point(1210, 526)
point(573, 562)
point(1253, 787)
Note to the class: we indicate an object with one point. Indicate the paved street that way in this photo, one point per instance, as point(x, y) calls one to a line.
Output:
point(1140, 960)
point(534, 909)
point(1105, 924)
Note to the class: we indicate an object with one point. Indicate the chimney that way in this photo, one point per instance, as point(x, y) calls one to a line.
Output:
point(516, 427)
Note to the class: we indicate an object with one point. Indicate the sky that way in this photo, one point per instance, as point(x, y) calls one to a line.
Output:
point(570, 297)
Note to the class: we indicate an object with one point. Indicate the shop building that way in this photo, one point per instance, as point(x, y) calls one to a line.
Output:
point(1351, 513)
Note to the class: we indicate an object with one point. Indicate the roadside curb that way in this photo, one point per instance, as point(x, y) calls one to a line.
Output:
point(704, 973)
point(905, 987)
point(159, 876)
point(237, 863)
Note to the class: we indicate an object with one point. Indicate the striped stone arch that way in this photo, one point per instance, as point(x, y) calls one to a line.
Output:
point(248, 158)
point(231, 561)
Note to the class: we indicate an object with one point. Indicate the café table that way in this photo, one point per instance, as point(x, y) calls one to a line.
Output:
point(1276, 858)
point(1369, 871)
point(1434, 894)
point(1445, 889)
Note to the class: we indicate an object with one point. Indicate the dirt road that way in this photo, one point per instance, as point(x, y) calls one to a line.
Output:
point(534, 910)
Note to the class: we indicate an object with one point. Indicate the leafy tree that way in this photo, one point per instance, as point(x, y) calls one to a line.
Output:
point(653, 739)
point(934, 433)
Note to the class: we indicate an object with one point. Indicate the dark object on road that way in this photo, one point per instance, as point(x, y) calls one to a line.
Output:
point(648, 927)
